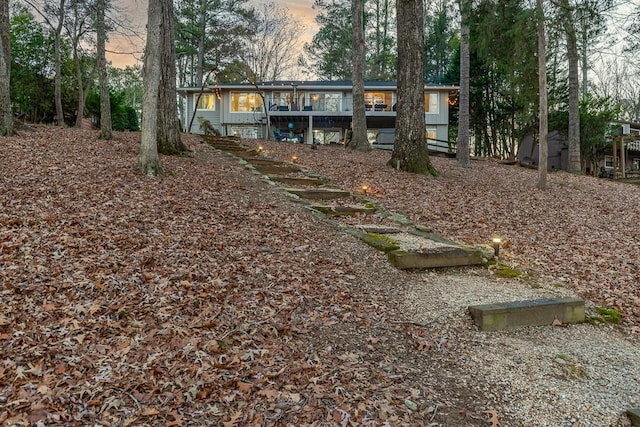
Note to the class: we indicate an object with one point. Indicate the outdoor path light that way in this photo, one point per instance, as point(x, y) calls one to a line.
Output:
point(496, 246)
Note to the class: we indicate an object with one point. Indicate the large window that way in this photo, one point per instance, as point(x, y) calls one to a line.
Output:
point(378, 101)
point(326, 101)
point(242, 102)
point(207, 101)
point(431, 103)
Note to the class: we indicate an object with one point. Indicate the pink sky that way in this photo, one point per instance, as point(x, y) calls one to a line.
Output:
point(136, 11)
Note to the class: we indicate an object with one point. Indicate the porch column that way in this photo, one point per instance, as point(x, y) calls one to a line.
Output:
point(615, 158)
point(623, 157)
point(311, 129)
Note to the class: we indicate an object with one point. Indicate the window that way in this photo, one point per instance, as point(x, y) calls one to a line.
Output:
point(431, 103)
point(378, 101)
point(242, 102)
point(608, 162)
point(207, 101)
point(327, 101)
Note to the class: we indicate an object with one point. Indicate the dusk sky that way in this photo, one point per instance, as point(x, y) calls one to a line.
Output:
point(136, 11)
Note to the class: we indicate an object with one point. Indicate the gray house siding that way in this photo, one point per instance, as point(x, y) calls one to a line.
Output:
point(310, 106)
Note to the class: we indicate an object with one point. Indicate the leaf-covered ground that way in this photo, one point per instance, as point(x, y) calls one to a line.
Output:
point(206, 297)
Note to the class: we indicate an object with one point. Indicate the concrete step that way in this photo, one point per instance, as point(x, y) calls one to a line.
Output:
point(436, 257)
point(508, 315)
point(319, 193)
point(265, 161)
point(310, 182)
point(276, 169)
point(344, 210)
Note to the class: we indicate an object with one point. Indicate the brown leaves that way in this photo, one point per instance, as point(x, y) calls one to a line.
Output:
point(206, 297)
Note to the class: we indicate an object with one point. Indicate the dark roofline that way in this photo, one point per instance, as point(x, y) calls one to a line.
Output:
point(314, 84)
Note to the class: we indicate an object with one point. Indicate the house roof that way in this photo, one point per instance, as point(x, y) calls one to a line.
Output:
point(314, 85)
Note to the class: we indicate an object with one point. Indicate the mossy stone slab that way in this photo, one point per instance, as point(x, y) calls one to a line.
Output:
point(344, 210)
point(319, 193)
point(437, 257)
point(275, 169)
point(309, 182)
point(634, 416)
point(540, 312)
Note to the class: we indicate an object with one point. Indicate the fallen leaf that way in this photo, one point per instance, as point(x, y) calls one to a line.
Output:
point(149, 412)
point(493, 420)
point(244, 387)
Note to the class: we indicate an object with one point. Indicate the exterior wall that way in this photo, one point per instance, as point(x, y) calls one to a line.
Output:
point(213, 116)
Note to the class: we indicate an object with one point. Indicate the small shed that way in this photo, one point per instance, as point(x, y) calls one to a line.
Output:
point(558, 150)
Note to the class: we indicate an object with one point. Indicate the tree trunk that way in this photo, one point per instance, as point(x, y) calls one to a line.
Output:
point(168, 124)
point(105, 101)
point(148, 160)
point(462, 145)
point(410, 149)
point(58, 66)
point(359, 140)
point(201, 37)
point(80, 80)
point(542, 90)
point(574, 90)
point(6, 116)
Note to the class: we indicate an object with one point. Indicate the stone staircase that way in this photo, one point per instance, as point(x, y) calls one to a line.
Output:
point(408, 246)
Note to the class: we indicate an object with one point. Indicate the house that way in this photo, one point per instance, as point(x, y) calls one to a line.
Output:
point(316, 111)
point(622, 156)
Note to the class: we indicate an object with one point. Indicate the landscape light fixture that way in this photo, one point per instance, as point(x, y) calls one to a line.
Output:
point(364, 189)
point(496, 246)
point(294, 159)
point(260, 148)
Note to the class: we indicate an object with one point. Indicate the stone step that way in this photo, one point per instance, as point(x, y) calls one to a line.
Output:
point(247, 154)
point(540, 312)
point(319, 193)
point(276, 169)
point(344, 210)
point(437, 257)
point(634, 416)
point(265, 161)
point(311, 182)
point(230, 148)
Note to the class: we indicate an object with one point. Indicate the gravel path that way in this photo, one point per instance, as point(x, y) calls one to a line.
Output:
point(579, 375)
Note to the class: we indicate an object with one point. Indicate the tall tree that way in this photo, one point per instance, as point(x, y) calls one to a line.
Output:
point(542, 88)
point(6, 116)
point(209, 36)
point(568, 19)
point(168, 122)
point(79, 27)
point(105, 104)
point(359, 140)
point(32, 90)
point(462, 146)
point(439, 33)
point(271, 49)
point(330, 49)
point(381, 60)
point(54, 12)
point(148, 159)
point(410, 151)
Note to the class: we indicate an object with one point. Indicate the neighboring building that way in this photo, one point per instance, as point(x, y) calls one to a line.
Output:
point(317, 111)
point(558, 151)
point(557, 148)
